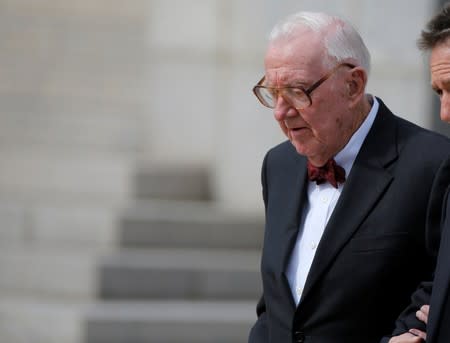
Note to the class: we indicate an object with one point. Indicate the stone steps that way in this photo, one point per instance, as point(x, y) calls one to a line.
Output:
point(49, 272)
point(57, 124)
point(26, 319)
point(180, 274)
point(60, 224)
point(170, 322)
point(188, 224)
point(173, 182)
point(77, 176)
point(186, 271)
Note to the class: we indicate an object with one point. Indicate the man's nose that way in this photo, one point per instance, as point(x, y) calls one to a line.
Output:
point(283, 109)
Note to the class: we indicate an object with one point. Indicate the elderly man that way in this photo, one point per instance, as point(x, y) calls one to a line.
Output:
point(435, 39)
point(345, 196)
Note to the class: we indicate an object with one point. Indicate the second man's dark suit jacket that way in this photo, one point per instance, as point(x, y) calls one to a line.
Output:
point(372, 253)
point(438, 328)
point(436, 293)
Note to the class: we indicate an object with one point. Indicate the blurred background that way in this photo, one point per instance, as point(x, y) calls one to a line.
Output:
point(130, 149)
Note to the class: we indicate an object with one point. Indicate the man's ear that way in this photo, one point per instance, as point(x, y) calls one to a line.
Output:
point(356, 83)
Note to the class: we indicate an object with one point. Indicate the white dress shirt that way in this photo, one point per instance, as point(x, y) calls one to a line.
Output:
point(321, 202)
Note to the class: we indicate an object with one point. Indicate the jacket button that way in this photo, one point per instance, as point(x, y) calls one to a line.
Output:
point(299, 337)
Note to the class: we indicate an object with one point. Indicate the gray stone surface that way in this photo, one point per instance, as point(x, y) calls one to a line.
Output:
point(64, 273)
point(37, 175)
point(170, 322)
point(189, 224)
point(175, 182)
point(180, 274)
point(83, 225)
point(13, 223)
point(41, 320)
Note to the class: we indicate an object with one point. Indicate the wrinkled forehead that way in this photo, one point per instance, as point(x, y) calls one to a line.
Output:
point(440, 59)
point(295, 56)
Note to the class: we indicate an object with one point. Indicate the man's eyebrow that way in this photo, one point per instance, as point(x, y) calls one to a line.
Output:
point(297, 83)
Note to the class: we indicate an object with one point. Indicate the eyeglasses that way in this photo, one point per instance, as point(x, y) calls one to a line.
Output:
point(298, 97)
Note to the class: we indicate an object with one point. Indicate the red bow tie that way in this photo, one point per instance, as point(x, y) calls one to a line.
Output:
point(330, 172)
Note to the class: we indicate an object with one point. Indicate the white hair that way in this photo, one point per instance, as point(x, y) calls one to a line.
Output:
point(341, 40)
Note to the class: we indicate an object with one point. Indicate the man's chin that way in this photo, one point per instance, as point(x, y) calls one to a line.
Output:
point(299, 147)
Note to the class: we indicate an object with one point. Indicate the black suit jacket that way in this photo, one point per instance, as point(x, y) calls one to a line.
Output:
point(372, 253)
point(438, 328)
point(435, 293)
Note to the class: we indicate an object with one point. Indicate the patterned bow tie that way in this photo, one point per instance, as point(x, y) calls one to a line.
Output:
point(330, 172)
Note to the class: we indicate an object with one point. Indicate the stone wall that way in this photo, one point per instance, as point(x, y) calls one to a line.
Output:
point(168, 82)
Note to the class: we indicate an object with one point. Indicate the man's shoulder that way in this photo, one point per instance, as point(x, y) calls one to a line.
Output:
point(414, 136)
point(409, 131)
point(427, 148)
point(422, 138)
point(283, 154)
point(284, 149)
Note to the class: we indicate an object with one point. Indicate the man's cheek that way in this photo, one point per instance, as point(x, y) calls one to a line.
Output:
point(284, 128)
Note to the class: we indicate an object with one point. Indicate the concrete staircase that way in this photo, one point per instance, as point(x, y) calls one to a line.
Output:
point(71, 116)
point(186, 270)
point(76, 118)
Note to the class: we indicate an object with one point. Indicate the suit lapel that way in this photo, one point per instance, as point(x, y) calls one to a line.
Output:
point(294, 207)
point(286, 207)
point(366, 183)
